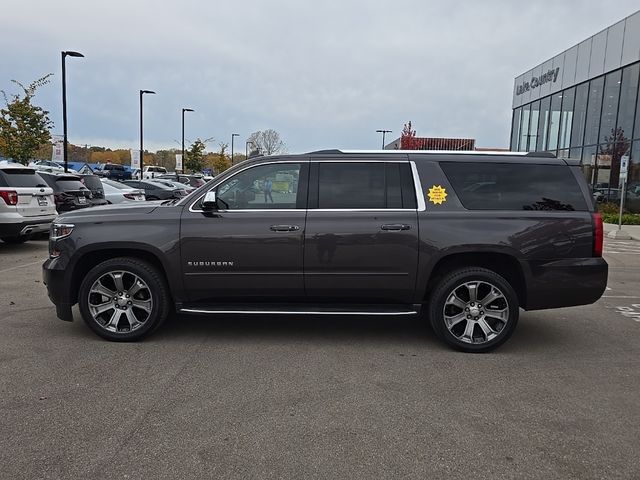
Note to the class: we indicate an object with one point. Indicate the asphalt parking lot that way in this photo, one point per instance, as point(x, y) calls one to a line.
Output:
point(273, 397)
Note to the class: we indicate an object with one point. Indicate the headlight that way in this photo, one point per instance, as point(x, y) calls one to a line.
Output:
point(60, 230)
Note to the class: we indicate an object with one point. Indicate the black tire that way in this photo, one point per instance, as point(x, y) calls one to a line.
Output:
point(113, 325)
point(454, 322)
point(15, 240)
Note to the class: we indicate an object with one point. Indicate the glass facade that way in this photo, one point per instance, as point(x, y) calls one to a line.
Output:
point(596, 121)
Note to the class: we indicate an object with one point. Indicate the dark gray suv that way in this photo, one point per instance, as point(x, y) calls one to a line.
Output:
point(466, 238)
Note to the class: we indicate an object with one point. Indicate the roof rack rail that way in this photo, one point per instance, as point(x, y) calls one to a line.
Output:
point(541, 154)
point(331, 151)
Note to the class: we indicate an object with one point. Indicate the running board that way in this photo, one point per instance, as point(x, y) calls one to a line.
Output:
point(288, 309)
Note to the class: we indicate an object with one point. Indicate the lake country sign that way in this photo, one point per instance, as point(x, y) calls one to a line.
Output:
point(550, 76)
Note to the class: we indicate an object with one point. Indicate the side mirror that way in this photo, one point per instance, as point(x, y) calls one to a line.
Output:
point(209, 201)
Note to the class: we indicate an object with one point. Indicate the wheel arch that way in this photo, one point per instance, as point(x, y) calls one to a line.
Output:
point(91, 258)
point(503, 264)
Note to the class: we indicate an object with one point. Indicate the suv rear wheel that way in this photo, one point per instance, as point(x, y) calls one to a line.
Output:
point(124, 299)
point(474, 310)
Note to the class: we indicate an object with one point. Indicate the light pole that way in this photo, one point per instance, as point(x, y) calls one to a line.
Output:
point(142, 92)
point(65, 54)
point(233, 135)
point(183, 110)
point(383, 132)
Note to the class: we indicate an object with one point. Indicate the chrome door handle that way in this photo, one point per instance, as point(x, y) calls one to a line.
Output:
point(396, 226)
point(284, 228)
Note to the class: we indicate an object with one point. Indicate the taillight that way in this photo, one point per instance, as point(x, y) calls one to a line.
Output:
point(129, 196)
point(598, 235)
point(10, 197)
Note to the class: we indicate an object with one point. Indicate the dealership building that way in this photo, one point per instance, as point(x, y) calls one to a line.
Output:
point(584, 104)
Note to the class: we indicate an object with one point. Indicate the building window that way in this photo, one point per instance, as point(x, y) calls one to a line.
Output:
point(533, 129)
point(628, 94)
point(524, 129)
point(543, 124)
point(610, 106)
point(554, 121)
point(579, 115)
point(515, 129)
point(566, 120)
point(593, 111)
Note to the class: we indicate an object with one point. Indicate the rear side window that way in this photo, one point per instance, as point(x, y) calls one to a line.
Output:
point(364, 186)
point(20, 177)
point(500, 186)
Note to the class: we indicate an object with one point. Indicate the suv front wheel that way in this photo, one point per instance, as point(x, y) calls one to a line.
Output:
point(124, 299)
point(474, 309)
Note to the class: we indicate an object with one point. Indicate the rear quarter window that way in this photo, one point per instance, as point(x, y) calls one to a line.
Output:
point(514, 186)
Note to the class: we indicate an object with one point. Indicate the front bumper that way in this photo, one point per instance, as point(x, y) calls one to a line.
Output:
point(58, 288)
point(566, 283)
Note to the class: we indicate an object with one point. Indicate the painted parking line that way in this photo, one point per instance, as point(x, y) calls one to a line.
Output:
point(21, 266)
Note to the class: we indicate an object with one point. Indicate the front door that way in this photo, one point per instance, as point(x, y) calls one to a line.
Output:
point(250, 248)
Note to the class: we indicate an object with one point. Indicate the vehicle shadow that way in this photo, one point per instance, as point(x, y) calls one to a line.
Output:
point(296, 328)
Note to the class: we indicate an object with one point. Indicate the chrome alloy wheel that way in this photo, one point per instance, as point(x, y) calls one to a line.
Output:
point(476, 312)
point(120, 302)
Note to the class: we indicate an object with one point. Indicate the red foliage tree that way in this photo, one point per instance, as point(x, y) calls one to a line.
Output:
point(408, 140)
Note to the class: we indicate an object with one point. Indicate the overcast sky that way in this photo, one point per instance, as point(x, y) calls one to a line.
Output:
point(324, 74)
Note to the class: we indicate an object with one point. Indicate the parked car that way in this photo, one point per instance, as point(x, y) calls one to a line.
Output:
point(156, 190)
point(68, 191)
point(26, 203)
point(116, 192)
point(361, 233)
point(93, 183)
point(153, 171)
point(193, 181)
point(114, 171)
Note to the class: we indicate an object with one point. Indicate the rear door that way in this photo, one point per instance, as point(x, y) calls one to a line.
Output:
point(361, 239)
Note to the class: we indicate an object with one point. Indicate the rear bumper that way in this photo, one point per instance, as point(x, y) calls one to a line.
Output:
point(566, 283)
point(25, 227)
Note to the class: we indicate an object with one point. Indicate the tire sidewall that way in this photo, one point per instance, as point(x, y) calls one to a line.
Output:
point(454, 280)
point(149, 275)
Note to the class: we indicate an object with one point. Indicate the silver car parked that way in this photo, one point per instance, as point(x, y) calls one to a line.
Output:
point(27, 205)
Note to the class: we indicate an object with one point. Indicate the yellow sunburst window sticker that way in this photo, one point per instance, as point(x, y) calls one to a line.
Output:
point(437, 195)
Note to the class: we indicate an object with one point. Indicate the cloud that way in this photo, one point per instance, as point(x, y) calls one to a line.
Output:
point(324, 74)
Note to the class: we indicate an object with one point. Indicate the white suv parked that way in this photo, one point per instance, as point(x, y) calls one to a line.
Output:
point(27, 205)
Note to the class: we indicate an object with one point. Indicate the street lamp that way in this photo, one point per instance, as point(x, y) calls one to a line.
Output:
point(383, 132)
point(232, 137)
point(65, 54)
point(142, 92)
point(183, 110)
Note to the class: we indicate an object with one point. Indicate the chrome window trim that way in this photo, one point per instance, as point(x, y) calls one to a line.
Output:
point(380, 210)
point(299, 161)
point(422, 205)
point(437, 152)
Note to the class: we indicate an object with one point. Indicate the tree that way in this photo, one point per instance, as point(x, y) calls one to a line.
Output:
point(408, 139)
point(194, 157)
point(220, 161)
point(24, 127)
point(267, 142)
point(616, 145)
